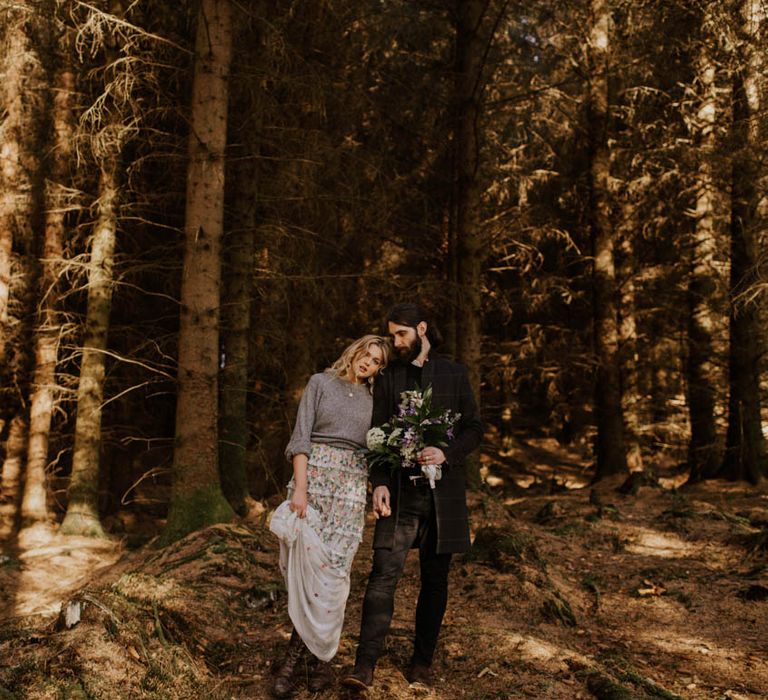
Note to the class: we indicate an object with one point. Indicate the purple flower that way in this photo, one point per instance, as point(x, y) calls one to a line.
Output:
point(404, 435)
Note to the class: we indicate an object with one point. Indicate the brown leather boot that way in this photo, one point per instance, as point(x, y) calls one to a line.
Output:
point(419, 673)
point(320, 677)
point(288, 677)
point(361, 677)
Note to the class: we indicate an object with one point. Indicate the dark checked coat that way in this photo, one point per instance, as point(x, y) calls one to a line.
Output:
point(450, 389)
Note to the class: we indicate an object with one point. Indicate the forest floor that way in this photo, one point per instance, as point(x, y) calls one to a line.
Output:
point(570, 592)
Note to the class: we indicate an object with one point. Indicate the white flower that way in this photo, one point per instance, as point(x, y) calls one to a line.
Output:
point(394, 436)
point(411, 399)
point(409, 454)
point(375, 438)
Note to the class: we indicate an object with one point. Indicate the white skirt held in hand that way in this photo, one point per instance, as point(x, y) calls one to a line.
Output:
point(317, 590)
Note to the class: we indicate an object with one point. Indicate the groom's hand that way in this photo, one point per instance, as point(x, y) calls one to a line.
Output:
point(381, 508)
point(431, 455)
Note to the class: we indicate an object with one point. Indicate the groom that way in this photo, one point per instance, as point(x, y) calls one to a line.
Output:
point(411, 514)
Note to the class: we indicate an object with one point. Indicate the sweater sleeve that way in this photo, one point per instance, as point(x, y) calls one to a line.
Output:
point(300, 441)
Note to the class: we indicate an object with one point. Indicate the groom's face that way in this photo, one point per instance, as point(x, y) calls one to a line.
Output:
point(406, 340)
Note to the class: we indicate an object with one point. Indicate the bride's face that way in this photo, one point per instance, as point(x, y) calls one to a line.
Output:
point(367, 362)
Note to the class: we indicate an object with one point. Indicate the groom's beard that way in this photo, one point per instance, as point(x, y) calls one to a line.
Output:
point(410, 353)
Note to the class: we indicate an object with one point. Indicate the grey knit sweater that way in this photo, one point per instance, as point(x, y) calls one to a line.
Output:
point(332, 411)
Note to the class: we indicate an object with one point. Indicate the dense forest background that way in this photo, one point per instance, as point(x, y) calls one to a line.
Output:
point(202, 203)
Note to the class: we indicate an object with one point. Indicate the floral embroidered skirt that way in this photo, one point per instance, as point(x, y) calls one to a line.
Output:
point(337, 488)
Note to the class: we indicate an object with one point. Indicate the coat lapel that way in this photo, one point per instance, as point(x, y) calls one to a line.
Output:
point(399, 383)
point(428, 374)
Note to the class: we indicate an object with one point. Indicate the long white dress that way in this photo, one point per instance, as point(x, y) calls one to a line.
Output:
point(316, 552)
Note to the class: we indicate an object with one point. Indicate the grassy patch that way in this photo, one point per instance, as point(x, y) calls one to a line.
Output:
point(621, 670)
point(589, 583)
point(14, 677)
point(558, 609)
point(501, 549)
point(10, 563)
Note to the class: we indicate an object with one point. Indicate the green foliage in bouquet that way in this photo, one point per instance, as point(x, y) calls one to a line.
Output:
point(416, 425)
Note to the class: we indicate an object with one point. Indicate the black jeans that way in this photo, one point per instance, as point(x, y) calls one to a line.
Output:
point(416, 525)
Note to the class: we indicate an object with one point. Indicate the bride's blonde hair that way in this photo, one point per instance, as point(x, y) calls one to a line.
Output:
point(341, 367)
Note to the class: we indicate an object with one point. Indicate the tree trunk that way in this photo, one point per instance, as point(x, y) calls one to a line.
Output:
point(630, 395)
point(11, 484)
point(82, 516)
point(610, 449)
point(196, 497)
point(24, 36)
point(451, 269)
point(466, 255)
point(236, 312)
point(468, 235)
point(660, 374)
point(22, 112)
point(704, 283)
point(745, 457)
point(33, 507)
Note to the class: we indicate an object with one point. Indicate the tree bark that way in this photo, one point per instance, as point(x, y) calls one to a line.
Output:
point(47, 332)
point(196, 497)
point(12, 481)
point(24, 36)
point(610, 448)
point(469, 245)
point(631, 399)
point(21, 99)
point(82, 517)
point(704, 281)
point(236, 312)
point(745, 457)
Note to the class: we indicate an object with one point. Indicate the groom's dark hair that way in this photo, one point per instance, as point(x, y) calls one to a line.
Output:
point(407, 314)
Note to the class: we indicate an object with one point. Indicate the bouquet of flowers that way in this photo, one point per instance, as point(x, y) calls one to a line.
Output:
point(416, 425)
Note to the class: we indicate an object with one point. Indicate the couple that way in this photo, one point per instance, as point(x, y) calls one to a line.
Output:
point(321, 525)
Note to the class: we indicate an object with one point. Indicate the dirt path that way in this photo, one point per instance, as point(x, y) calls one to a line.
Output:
point(567, 595)
point(658, 589)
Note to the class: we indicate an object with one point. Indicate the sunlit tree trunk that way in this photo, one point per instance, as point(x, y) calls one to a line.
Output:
point(22, 93)
point(745, 457)
point(704, 281)
point(610, 448)
point(14, 182)
point(196, 497)
point(630, 395)
point(82, 516)
point(24, 37)
point(11, 483)
point(48, 321)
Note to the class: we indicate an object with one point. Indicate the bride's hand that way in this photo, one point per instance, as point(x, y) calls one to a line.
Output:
point(299, 503)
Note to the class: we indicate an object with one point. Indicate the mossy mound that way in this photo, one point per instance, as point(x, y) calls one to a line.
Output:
point(503, 549)
point(164, 627)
